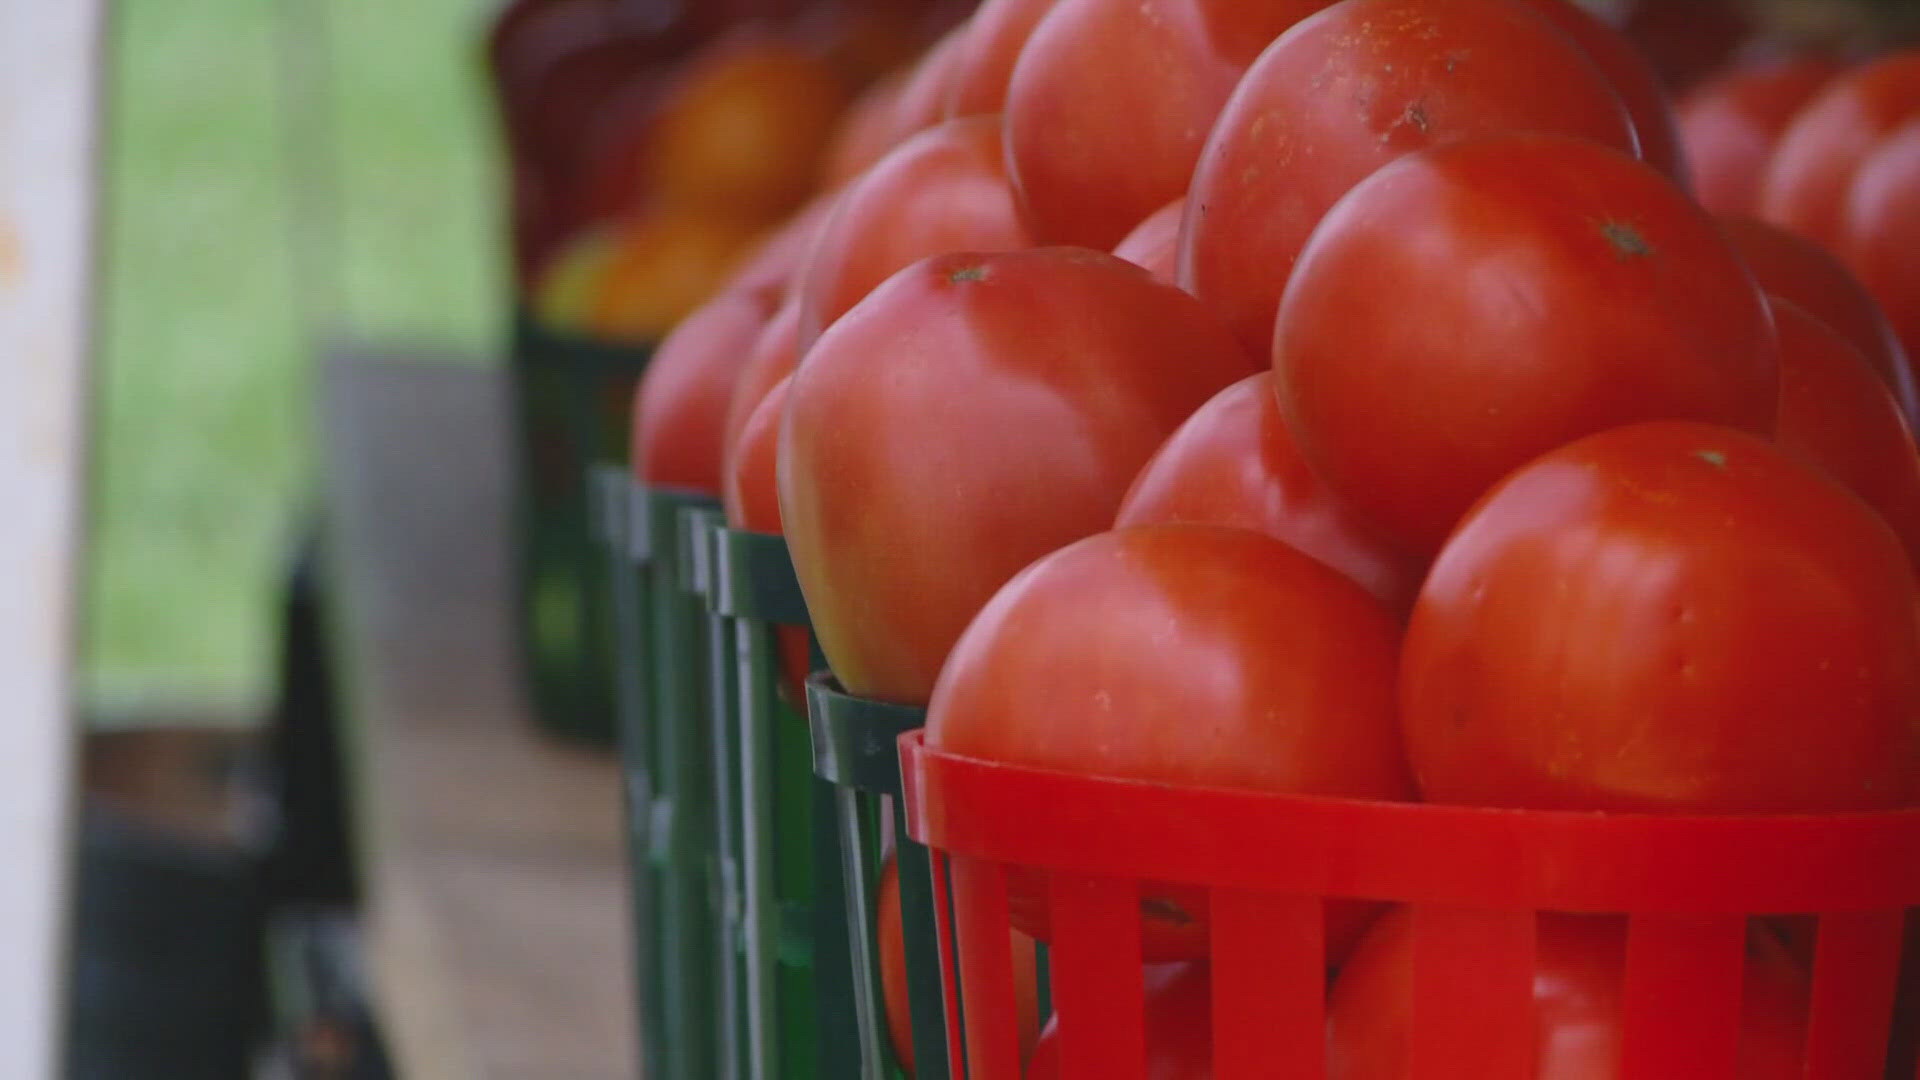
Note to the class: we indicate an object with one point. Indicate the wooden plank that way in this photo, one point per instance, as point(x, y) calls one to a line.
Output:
point(499, 936)
point(49, 63)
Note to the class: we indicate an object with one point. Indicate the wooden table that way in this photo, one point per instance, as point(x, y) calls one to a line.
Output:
point(499, 940)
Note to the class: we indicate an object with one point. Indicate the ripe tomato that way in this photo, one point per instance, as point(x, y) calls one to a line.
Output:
point(1882, 236)
point(943, 190)
point(1632, 76)
point(867, 131)
point(1730, 124)
point(665, 262)
point(1667, 616)
point(680, 407)
point(973, 414)
point(1111, 100)
point(751, 497)
point(771, 266)
point(1836, 413)
point(1099, 658)
point(1805, 187)
point(775, 353)
point(1234, 463)
point(1179, 1022)
point(1577, 993)
point(1350, 90)
point(1488, 300)
point(992, 42)
point(1154, 244)
point(1798, 270)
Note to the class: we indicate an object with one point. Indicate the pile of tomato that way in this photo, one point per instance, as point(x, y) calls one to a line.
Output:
point(1380, 399)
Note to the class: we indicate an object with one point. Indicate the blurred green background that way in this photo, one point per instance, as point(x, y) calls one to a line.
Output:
point(203, 447)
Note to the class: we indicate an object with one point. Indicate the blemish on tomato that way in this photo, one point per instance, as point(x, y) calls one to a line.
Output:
point(1712, 457)
point(976, 272)
point(1626, 240)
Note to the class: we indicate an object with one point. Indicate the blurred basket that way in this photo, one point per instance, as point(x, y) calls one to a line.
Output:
point(572, 400)
point(1475, 880)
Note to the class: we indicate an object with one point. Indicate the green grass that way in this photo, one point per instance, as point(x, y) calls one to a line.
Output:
point(203, 449)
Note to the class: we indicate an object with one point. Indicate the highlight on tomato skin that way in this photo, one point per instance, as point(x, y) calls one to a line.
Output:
point(1667, 617)
point(1807, 181)
point(1730, 124)
point(1154, 244)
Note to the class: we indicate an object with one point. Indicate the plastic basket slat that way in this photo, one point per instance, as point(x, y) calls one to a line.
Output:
point(1269, 982)
point(1098, 990)
point(986, 966)
point(1856, 972)
point(1680, 996)
point(925, 996)
point(1472, 989)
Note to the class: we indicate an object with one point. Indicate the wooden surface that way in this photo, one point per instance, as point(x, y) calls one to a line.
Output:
point(499, 942)
point(49, 94)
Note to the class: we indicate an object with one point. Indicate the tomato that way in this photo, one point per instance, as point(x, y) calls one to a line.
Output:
point(943, 190)
point(771, 266)
point(751, 497)
point(1836, 413)
point(1805, 186)
point(1632, 76)
point(1577, 994)
point(775, 353)
point(1100, 659)
point(1882, 237)
point(1730, 124)
point(1154, 244)
point(680, 407)
point(973, 414)
point(1488, 300)
point(1111, 100)
point(992, 42)
point(867, 131)
point(1234, 463)
point(1667, 616)
point(1179, 1023)
point(1798, 270)
point(1350, 90)
point(665, 262)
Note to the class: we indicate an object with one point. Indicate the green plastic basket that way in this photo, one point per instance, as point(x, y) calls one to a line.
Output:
point(786, 940)
point(572, 400)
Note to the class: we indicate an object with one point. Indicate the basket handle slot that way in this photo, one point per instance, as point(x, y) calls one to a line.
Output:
point(1269, 974)
point(1099, 992)
point(1680, 996)
point(1856, 972)
point(1472, 989)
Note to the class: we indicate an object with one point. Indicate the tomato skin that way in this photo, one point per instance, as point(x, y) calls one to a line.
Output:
point(943, 190)
point(1093, 147)
point(774, 355)
point(1234, 463)
point(868, 129)
point(1656, 129)
point(1836, 413)
point(973, 414)
point(1098, 658)
point(751, 494)
point(1154, 244)
point(770, 268)
point(1179, 1022)
point(994, 36)
point(1344, 93)
point(1805, 187)
point(1577, 990)
point(1800, 271)
point(1666, 616)
point(680, 406)
point(1491, 299)
point(1882, 238)
point(1730, 124)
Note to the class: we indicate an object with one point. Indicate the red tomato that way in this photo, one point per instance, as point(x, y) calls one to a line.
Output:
point(1798, 270)
point(1836, 413)
point(1656, 130)
point(922, 101)
point(1348, 91)
point(973, 414)
point(751, 497)
point(1577, 994)
point(1179, 1025)
point(1111, 100)
point(1483, 302)
point(1099, 658)
point(1730, 124)
point(771, 267)
point(1234, 463)
point(680, 406)
point(867, 131)
point(1667, 616)
point(1883, 230)
point(1154, 244)
point(775, 353)
point(993, 39)
point(943, 190)
point(1805, 187)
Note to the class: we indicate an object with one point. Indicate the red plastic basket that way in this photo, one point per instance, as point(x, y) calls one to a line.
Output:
point(1476, 880)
